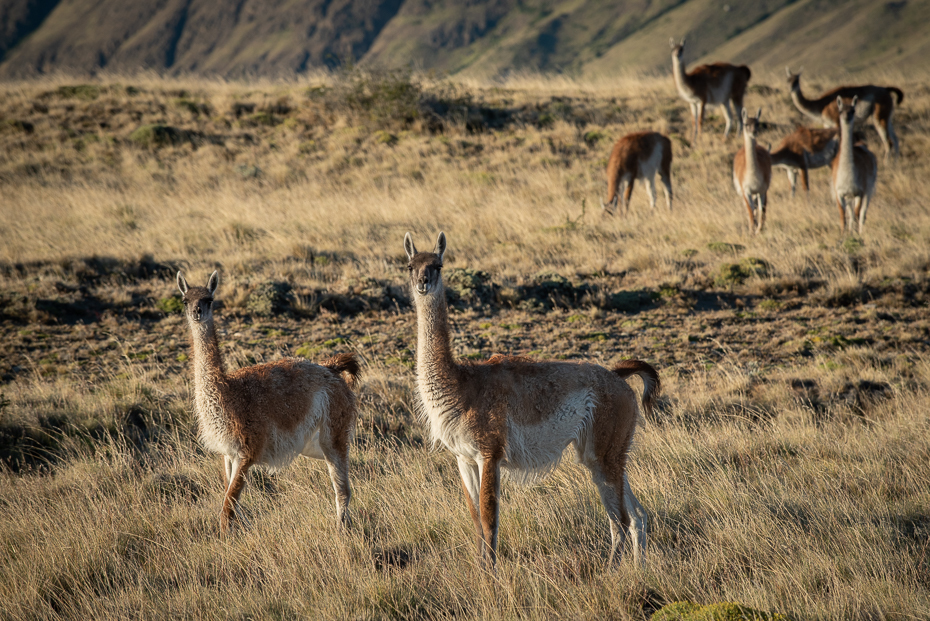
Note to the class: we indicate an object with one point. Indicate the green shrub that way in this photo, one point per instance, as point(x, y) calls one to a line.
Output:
point(170, 304)
point(721, 611)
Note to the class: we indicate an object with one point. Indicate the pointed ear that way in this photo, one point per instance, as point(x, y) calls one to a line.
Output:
point(759, 114)
point(682, 44)
point(745, 115)
point(855, 99)
point(787, 71)
point(441, 245)
point(409, 248)
point(214, 282)
point(839, 104)
point(182, 284)
point(671, 42)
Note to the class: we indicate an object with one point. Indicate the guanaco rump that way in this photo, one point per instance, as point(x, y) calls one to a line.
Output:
point(715, 84)
point(873, 101)
point(752, 172)
point(518, 415)
point(638, 156)
point(854, 170)
point(805, 149)
point(269, 413)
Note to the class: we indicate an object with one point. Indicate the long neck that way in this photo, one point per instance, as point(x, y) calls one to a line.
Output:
point(846, 144)
point(434, 351)
point(749, 146)
point(804, 104)
point(678, 71)
point(209, 370)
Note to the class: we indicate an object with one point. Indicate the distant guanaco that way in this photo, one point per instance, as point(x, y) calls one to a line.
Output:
point(805, 149)
point(268, 413)
point(715, 84)
point(873, 101)
point(854, 170)
point(638, 156)
point(518, 415)
point(752, 172)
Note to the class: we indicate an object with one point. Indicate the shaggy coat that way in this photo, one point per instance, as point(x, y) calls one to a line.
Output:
point(854, 171)
point(806, 148)
point(715, 84)
point(514, 415)
point(638, 156)
point(268, 414)
point(752, 173)
point(877, 102)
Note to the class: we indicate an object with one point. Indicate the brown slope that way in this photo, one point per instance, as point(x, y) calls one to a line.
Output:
point(18, 18)
point(229, 37)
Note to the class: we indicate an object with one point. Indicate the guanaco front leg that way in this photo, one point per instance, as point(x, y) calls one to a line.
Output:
point(489, 506)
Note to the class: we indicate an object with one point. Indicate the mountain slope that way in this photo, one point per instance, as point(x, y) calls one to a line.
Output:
point(481, 38)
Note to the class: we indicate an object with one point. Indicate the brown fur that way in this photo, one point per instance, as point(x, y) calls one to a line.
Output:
point(704, 84)
point(863, 169)
point(628, 156)
point(246, 409)
point(801, 151)
point(752, 181)
point(877, 102)
point(481, 403)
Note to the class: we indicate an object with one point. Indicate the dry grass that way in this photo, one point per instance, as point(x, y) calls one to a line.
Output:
point(788, 467)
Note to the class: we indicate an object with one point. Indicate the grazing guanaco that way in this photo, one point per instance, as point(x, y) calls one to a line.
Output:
point(854, 170)
point(752, 172)
point(805, 149)
point(715, 84)
point(638, 156)
point(873, 101)
point(269, 413)
point(517, 415)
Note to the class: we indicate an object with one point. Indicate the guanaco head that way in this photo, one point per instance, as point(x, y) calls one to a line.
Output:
point(847, 110)
point(424, 267)
point(198, 301)
point(751, 123)
point(677, 48)
point(794, 79)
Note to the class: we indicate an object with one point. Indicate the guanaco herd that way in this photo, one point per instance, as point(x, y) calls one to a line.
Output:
point(641, 155)
point(511, 414)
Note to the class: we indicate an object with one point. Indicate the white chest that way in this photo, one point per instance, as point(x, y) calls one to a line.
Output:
point(444, 421)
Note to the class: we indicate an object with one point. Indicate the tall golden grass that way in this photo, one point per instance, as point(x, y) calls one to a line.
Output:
point(756, 492)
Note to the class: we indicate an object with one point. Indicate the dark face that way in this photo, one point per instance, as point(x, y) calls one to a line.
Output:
point(677, 51)
point(847, 110)
point(198, 301)
point(752, 125)
point(425, 271)
point(794, 81)
point(198, 304)
point(425, 267)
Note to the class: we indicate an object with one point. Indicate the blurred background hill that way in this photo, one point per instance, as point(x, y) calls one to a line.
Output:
point(480, 38)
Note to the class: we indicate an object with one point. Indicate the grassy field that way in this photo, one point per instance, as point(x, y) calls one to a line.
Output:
point(787, 467)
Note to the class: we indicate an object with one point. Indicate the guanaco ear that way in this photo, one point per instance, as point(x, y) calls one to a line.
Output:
point(213, 282)
point(745, 116)
point(759, 114)
point(682, 44)
point(855, 99)
point(671, 42)
point(409, 248)
point(441, 245)
point(787, 71)
point(182, 284)
point(839, 104)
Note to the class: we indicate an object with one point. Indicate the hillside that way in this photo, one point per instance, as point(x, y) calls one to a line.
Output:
point(482, 38)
